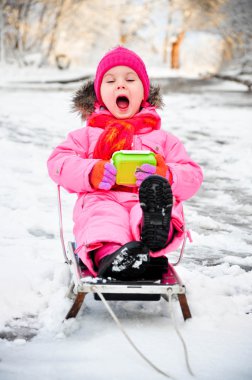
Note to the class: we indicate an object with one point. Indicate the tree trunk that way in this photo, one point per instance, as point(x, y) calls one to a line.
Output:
point(165, 47)
point(175, 51)
point(167, 30)
point(53, 33)
point(2, 55)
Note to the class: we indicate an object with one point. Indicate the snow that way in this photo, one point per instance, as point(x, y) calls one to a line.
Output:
point(215, 125)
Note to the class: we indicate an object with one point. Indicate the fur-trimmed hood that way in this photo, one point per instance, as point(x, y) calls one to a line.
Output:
point(84, 99)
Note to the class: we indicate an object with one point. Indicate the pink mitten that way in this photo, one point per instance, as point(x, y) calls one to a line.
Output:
point(103, 175)
point(146, 170)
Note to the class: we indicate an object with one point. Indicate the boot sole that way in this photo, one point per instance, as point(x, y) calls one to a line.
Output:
point(155, 196)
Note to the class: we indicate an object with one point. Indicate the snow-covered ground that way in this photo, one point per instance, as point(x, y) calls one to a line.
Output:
point(216, 129)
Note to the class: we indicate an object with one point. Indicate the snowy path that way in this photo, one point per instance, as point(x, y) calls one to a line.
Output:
point(216, 129)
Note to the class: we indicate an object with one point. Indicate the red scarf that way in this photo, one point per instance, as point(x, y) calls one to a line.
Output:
point(118, 133)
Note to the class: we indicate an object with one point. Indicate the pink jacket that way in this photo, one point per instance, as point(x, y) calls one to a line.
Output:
point(70, 164)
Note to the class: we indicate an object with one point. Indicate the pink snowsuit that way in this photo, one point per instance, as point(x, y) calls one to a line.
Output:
point(115, 216)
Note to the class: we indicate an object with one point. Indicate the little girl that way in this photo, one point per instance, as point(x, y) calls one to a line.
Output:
point(120, 229)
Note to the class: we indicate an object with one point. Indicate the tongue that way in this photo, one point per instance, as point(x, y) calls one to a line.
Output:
point(122, 103)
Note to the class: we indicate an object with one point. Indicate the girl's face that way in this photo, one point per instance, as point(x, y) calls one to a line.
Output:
point(122, 92)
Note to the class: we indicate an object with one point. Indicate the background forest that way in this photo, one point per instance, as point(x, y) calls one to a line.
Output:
point(195, 36)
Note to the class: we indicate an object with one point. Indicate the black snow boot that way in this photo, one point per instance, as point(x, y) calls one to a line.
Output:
point(155, 196)
point(126, 263)
point(156, 268)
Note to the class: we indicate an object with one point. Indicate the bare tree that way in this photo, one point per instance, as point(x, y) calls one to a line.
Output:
point(2, 30)
point(32, 26)
point(193, 15)
point(65, 30)
point(59, 9)
point(228, 18)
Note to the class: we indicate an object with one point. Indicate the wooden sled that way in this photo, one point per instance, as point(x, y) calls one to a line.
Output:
point(82, 283)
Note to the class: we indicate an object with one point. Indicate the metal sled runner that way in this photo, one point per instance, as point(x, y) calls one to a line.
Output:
point(82, 282)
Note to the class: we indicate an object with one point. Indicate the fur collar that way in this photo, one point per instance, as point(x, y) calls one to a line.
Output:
point(84, 99)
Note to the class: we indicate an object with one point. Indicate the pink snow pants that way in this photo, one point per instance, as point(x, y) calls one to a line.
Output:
point(106, 218)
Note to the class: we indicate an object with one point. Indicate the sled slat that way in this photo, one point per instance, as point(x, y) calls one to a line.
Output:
point(76, 305)
point(184, 306)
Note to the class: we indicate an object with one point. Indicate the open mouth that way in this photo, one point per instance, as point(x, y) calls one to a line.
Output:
point(122, 102)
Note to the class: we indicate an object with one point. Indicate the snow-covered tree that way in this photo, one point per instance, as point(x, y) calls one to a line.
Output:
point(230, 19)
point(78, 31)
point(238, 32)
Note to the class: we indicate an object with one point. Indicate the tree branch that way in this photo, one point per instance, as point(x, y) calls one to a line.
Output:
point(246, 82)
point(60, 81)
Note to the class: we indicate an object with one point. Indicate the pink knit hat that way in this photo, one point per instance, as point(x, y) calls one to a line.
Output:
point(121, 56)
